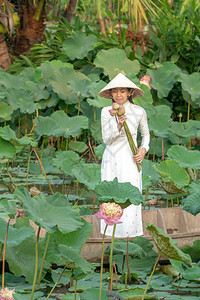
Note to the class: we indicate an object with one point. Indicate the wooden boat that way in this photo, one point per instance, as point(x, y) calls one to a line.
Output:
point(181, 226)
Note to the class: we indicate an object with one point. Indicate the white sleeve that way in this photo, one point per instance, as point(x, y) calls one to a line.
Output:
point(109, 127)
point(144, 131)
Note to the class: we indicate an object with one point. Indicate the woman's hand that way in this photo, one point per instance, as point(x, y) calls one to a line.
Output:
point(140, 155)
point(121, 120)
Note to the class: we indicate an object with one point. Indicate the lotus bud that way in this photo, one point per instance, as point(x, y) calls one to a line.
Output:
point(115, 105)
point(145, 80)
point(121, 111)
point(112, 112)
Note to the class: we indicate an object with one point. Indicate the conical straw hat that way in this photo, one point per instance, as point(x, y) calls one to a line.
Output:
point(120, 81)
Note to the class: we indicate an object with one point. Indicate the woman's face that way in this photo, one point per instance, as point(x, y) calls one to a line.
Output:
point(120, 95)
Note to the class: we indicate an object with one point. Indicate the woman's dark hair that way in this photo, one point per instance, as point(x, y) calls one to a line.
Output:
point(130, 98)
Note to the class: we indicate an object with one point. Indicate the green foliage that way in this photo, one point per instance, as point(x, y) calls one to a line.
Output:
point(186, 158)
point(191, 203)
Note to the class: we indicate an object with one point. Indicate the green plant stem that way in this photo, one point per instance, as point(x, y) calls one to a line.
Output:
point(43, 171)
point(172, 203)
point(43, 259)
point(143, 297)
point(111, 252)
point(127, 261)
point(4, 255)
point(36, 263)
point(75, 289)
point(56, 283)
point(101, 272)
point(154, 151)
point(10, 176)
point(126, 275)
point(28, 166)
point(19, 121)
point(188, 112)
point(131, 143)
point(79, 197)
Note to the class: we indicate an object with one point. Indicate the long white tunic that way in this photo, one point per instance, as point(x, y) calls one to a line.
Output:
point(117, 161)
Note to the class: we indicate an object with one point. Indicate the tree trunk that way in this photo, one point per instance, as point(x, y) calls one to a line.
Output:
point(5, 60)
point(69, 12)
point(30, 31)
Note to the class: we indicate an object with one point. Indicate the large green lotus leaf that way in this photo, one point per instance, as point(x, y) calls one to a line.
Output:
point(99, 102)
point(184, 129)
point(50, 212)
point(191, 273)
point(165, 245)
point(60, 124)
point(23, 99)
point(123, 194)
point(171, 170)
point(66, 160)
point(145, 98)
point(159, 120)
point(193, 251)
point(96, 131)
point(5, 111)
point(50, 102)
point(141, 260)
point(190, 84)
point(78, 146)
point(21, 259)
point(80, 87)
point(194, 187)
point(75, 239)
point(93, 293)
point(59, 83)
point(114, 61)
point(163, 78)
point(8, 134)
point(89, 174)
point(39, 91)
point(50, 68)
point(71, 257)
point(48, 166)
point(7, 208)
point(191, 203)
point(7, 150)
point(15, 235)
point(186, 158)
point(10, 81)
point(149, 171)
point(79, 44)
point(90, 112)
point(96, 87)
point(99, 150)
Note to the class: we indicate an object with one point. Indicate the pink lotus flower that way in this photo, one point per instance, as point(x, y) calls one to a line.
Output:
point(145, 80)
point(113, 112)
point(7, 294)
point(110, 212)
point(121, 111)
point(115, 105)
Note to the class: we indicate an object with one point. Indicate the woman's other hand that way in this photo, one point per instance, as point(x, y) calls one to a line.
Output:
point(140, 155)
point(121, 120)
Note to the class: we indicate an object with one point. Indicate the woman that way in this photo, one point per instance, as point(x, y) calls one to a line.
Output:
point(118, 160)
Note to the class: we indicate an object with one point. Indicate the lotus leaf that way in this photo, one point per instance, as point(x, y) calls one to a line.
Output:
point(15, 235)
point(78, 146)
point(66, 160)
point(184, 129)
point(145, 98)
point(80, 87)
point(50, 212)
point(99, 150)
point(79, 44)
point(59, 124)
point(22, 99)
point(7, 207)
point(118, 64)
point(171, 170)
point(91, 112)
point(149, 171)
point(188, 273)
point(38, 90)
point(96, 131)
point(93, 293)
point(186, 158)
point(50, 68)
point(99, 102)
point(7, 150)
point(89, 174)
point(191, 203)
point(190, 84)
point(5, 111)
point(50, 102)
point(164, 78)
point(8, 134)
point(21, 259)
point(9, 80)
point(123, 194)
point(96, 87)
point(193, 251)
point(74, 260)
point(166, 246)
point(159, 120)
point(194, 187)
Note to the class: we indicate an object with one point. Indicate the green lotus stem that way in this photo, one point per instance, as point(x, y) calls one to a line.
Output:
point(101, 272)
point(36, 263)
point(56, 283)
point(28, 166)
point(76, 203)
point(126, 276)
point(19, 125)
point(143, 297)
point(172, 203)
point(111, 252)
point(154, 151)
point(43, 259)
point(127, 261)
point(75, 289)
point(4, 255)
point(188, 112)
point(10, 176)
point(43, 171)
point(131, 143)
